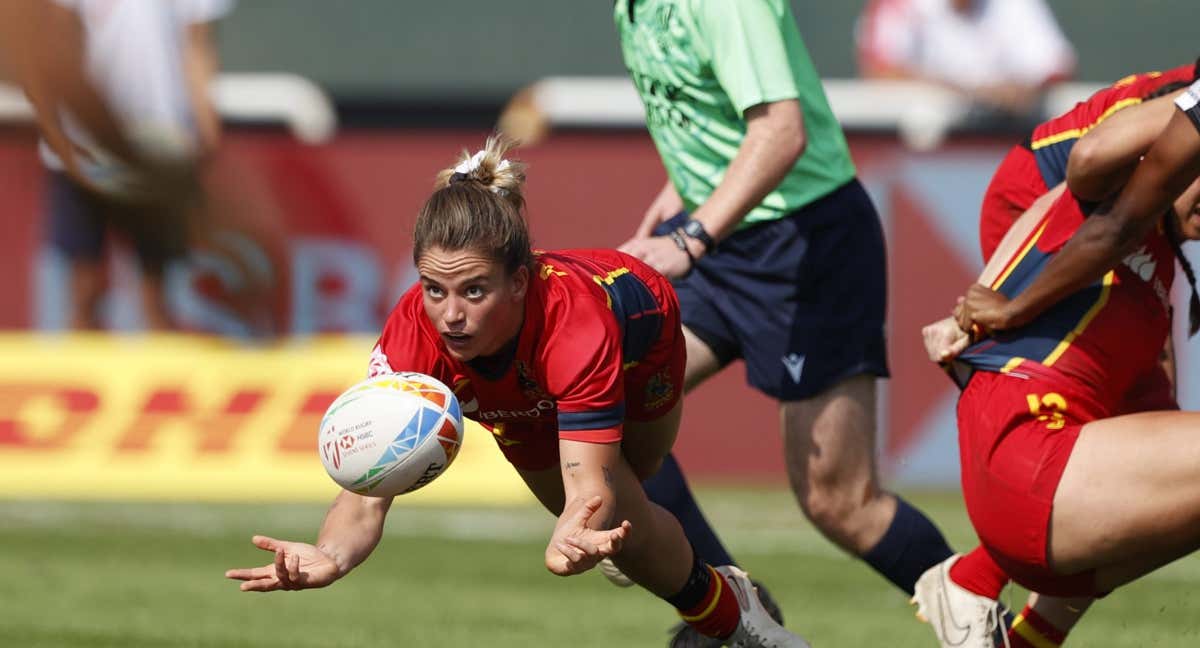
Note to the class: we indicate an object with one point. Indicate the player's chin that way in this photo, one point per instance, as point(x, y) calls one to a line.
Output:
point(461, 347)
point(1191, 227)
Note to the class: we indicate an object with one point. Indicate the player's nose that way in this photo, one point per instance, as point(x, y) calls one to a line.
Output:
point(455, 312)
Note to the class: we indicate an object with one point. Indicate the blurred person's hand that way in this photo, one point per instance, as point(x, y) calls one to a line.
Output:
point(297, 566)
point(522, 120)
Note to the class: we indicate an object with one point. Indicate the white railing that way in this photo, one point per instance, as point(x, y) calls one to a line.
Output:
point(288, 99)
point(920, 113)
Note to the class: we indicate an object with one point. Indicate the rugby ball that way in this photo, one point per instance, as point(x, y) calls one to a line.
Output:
point(390, 434)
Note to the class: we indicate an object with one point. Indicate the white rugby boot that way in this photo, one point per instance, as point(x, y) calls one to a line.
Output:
point(614, 574)
point(756, 628)
point(959, 618)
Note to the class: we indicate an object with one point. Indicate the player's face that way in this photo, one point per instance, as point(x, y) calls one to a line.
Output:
point(473, 303)
point(1187, 208)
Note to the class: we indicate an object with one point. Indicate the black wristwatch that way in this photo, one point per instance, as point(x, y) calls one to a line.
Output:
point(695, 230)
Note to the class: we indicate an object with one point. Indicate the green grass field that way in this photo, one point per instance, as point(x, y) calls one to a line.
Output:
point(87, 574)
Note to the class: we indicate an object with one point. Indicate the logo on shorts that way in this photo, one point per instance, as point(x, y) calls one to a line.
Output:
point(659, 390)
point(795, 366)
point(1142, 263)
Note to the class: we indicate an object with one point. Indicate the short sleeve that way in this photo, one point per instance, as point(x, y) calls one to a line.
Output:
point(202, 11)
point(1189, 103)
point(745, 39)
point(582, 357)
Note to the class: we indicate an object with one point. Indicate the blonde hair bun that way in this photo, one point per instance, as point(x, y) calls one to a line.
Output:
point(489, 168)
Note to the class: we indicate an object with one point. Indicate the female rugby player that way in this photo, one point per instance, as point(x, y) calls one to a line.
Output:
point(1067, 496)
point(575, 360)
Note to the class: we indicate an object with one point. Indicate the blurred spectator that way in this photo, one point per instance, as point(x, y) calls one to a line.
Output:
point(1001, 53)
point(151, 63)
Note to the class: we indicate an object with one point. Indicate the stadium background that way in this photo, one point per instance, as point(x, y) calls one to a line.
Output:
point(314, 252)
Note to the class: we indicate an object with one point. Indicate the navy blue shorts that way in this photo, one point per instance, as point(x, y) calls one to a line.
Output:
point(802, 299)
point(80, 219)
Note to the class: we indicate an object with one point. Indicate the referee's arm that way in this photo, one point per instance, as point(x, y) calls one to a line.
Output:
point(774, 140)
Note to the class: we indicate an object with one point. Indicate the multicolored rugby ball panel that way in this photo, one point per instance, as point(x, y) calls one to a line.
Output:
point(390, 434)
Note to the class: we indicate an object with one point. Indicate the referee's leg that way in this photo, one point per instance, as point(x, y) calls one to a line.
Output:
point(829, 447)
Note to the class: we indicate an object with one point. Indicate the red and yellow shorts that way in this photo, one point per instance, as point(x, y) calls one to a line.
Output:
point(1015, 436)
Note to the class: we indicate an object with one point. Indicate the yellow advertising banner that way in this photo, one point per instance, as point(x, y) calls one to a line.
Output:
point(185, 417)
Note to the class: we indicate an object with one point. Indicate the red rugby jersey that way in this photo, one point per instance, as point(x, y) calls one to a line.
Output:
point(588, 313)
point(1102, 339)
point(1052, 141)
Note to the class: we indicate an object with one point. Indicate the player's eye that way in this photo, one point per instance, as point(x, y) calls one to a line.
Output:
point(475, 292)
point(434, 291)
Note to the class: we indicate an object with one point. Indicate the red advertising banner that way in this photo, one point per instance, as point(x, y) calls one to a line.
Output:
point(309, 240)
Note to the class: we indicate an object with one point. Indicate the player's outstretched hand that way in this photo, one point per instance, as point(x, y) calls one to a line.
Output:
point(944, 340)
point(296, 566)
point(986, 309)
point(574, 548)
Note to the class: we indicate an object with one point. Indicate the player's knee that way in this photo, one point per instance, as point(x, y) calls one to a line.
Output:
point(832, 505)
point(644, 469)
point(829, 510)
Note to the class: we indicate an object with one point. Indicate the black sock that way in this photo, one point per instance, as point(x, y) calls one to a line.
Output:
point(669, 489)
point(696, 587)
point(911, 545)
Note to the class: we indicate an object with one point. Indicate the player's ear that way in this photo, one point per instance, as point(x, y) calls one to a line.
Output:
point(520, 283)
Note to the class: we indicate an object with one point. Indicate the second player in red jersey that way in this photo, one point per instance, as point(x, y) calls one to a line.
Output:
point(1039, 163)
point(1067, 497)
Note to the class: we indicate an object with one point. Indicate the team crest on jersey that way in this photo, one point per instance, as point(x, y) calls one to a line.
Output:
point(659, 390)
point(530, 387)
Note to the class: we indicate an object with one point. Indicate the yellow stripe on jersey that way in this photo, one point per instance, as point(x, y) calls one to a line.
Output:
point(1030, 634)
point(1013, 363)
point(1083, 323)
point(1012, 265)
point(1076, 133)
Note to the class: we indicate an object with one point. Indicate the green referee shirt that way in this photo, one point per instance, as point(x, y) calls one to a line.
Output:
point(699, 64)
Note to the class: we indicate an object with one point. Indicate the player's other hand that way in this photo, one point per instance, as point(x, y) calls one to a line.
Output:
point(944, 340)
point(574, 548)
point(985, 309)
point(296, 566)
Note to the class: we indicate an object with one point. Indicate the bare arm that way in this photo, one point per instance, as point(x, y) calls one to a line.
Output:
point(1017, 235)
point(58, 72)
point(775, 139)
point(1103, 159)
point(200, 65)
point(1107, 236)
point(582, 536)
point(351, 530)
